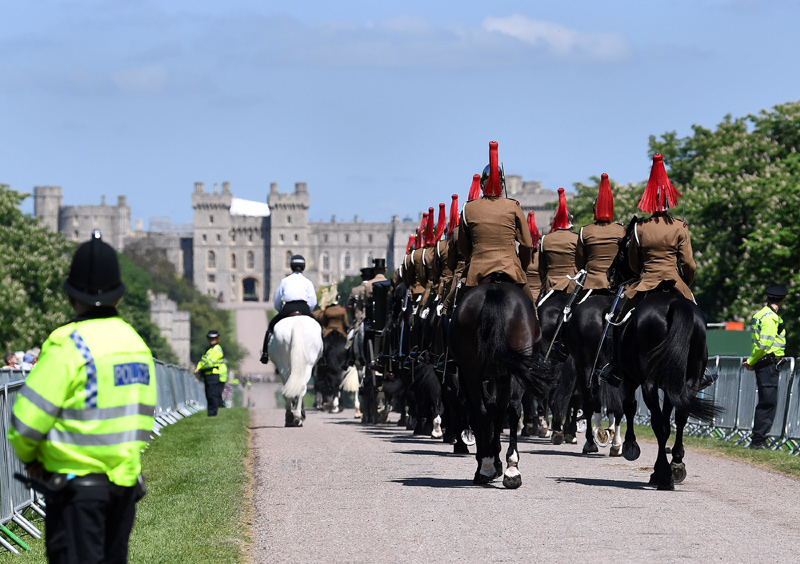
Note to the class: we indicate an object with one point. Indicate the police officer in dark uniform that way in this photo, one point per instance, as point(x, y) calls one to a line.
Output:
point(214, 370)
point(769, 346)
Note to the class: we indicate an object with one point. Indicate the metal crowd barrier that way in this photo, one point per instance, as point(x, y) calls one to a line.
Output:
point(178, 395)
point(736, 392)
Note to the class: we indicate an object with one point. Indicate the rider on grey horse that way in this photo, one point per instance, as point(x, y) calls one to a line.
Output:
point(295, 294)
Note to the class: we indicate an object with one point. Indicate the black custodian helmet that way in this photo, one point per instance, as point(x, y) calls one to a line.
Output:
point(212, 334)
point(94, 277)
point(297, 261)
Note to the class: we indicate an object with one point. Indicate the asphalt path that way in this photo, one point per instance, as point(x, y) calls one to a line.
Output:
point(339, 491)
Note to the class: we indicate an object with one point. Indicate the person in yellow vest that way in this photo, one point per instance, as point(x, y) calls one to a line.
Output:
point(214, 370)
point(84, 415)
point(769, 346)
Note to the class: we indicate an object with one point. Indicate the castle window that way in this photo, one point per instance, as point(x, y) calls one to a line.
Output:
point(295, 236)
point(347, 261)
point(250, 237)
point(325, 238)
point(75, 235)
point(212, 259)
point(281, 237)
point(326, 279)
point(204, 237)
point(288, 219)
point(212, 278)
point(233, 235)
point(219, 237)
point(251, 260)
point(369, 258)
point(211, 219)
point(326, 261)
point(288, 259)
point(347, 238)
point(369, 238)
point(233, 261)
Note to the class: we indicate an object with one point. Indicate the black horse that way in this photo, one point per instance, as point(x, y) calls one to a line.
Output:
point(582, 337)
point(329, 371)
point(662, 347)
point(492, 336)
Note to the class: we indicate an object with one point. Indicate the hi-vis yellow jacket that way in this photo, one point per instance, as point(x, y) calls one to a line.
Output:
point(87, 406)
point(213, 362)
point(769, 335)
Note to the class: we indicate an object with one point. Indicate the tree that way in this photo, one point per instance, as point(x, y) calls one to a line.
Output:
point(34, 266)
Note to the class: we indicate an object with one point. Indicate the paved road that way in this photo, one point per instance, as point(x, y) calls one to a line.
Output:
point(338, 491)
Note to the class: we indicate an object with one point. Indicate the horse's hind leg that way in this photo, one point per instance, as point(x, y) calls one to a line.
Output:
point(512, 479)
point(677, 465)
point(660, 416)
point(630, 448)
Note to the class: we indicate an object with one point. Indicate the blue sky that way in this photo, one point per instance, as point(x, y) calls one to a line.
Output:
point(380, 107)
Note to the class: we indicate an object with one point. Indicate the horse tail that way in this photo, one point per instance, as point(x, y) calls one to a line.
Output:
point(669, 362)
point(297, 362)
point(493, 344)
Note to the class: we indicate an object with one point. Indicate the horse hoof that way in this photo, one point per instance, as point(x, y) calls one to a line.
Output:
point(570, 439)
point(616, 450)
point(512, 482)
point(557, 438)
point(678, 472)
point(668, 486)
point(437, 435)
point(482, 479)
point(544, 433)
point(631, 450)
point(460, 448)
point(602, 437)
point(590, 448)
point(468, 437)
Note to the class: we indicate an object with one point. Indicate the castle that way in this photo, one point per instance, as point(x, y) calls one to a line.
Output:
point(239, 250)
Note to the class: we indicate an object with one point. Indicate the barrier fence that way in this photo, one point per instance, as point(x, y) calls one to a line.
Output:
point(736, 392)
point(178, 395)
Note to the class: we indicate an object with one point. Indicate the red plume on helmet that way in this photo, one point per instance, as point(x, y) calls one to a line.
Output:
point(475, 188)
point(411, 240)
point(421, 231)
point(659, 194)
point(561, 219)
point(429, 229)
point(493, 186)
point(454, 217)
point(533, 229)
point(604, 204)
point(440, 223)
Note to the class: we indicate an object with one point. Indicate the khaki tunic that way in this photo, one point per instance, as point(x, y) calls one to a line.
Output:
point(334, 318)
point(445, 272)
point(596, 249)
point(367, 295)
point(355, 306)
point(534, 282)
point(490, 228)
point(557, 260)
point(661, 249)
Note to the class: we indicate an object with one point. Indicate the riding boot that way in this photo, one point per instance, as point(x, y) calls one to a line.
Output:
point(708, 379)
point(264, 355)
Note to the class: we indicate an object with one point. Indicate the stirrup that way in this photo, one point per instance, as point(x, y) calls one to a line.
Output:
point(606, 375)
point(708, 379)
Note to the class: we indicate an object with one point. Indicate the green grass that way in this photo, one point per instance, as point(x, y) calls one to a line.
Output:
point(197, 508)
point(779, 461)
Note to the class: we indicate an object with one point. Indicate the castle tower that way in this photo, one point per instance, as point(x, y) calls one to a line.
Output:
point(47, 205)
point(288, 233)
point(212, 226)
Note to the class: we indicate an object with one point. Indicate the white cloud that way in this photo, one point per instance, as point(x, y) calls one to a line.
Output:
point(560, 41)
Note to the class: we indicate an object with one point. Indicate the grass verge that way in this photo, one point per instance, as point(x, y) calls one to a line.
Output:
point(197, 508)
point(779, 461)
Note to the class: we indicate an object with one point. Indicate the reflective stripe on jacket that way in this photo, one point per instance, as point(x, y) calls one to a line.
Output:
point(769, 335)
point(87, 406)
point(213, 362)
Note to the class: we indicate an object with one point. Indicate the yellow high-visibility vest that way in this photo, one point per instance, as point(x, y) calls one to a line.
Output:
point(214, 362)
point(768, 333)
point(87, 406)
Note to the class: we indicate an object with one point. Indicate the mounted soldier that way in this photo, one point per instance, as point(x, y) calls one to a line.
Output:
point(490, 229)
point(456, 261)
point(557, 252)
point(597, 242)
point(659, 252)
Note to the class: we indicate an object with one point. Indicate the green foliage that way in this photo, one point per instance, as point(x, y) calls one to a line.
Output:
point(741, 187)
point(35, 262)
point(346, 286)
point(135, 309)
point(203, 311)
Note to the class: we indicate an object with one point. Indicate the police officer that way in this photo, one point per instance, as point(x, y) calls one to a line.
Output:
point(295, 294)
point(84, 415)
point(769, 344)
point(214, 370)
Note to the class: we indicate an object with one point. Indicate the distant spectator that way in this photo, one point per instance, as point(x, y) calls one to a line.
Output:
point(20, 356)
point(10, 361)
point(29, 359)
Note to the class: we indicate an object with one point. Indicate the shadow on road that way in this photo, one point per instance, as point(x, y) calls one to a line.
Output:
point(432, 453)
point(434, 483)
point(594, 482)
